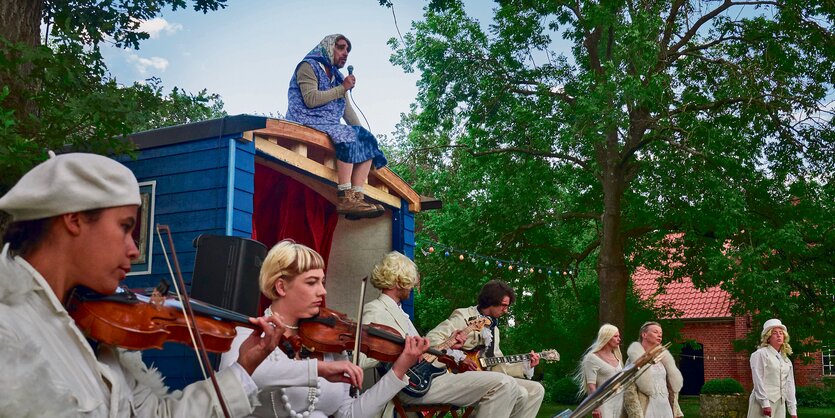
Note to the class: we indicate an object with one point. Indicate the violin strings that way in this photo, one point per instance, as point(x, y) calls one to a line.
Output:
point(180, 297)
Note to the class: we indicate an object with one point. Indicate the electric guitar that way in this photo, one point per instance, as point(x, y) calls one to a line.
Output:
point(421, 374)
point(484, 362)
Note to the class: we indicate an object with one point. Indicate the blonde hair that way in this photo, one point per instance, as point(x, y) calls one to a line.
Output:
point(785, 349)
point(644, 329)
point(394, 270)
point(287, 259)
point(604, 335)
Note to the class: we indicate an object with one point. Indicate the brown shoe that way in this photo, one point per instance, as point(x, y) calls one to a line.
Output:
point(354, 207)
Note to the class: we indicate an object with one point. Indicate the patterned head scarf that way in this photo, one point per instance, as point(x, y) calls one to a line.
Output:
point(323, 53)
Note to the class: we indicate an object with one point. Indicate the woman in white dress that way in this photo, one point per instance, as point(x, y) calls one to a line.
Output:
point(292, 276)
point(601, 361)
point(773, 374)
point(655, 392)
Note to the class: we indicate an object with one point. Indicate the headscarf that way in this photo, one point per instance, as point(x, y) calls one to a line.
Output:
point(323, 53)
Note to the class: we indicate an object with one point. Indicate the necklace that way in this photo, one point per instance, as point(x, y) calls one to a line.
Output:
point(312, 398)
point(269, 312)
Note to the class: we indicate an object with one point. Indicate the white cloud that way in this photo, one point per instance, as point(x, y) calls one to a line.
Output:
point(158, 25)
point(142, 64)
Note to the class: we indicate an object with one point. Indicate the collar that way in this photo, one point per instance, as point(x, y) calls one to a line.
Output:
point(389, 301)
point(40, 283)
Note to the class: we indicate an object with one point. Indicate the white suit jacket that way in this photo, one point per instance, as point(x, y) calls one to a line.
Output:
point(773, 377)
point(458, 320)
point(49, 369)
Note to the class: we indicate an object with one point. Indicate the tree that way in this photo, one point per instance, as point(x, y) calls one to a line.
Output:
point(59, 94)
point(707, 121)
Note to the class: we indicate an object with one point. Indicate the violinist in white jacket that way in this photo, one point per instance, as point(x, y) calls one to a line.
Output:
point(72, 218)
point(773, 374)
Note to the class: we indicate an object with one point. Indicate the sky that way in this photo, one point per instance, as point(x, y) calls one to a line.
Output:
point(247, 52)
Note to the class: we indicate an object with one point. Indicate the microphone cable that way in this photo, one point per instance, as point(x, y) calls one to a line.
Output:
point(351, 93)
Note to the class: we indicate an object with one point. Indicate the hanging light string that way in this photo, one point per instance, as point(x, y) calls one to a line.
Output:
point(430, 248)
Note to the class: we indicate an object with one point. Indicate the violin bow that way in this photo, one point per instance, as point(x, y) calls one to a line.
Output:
point(199, 348)
point(357, 338)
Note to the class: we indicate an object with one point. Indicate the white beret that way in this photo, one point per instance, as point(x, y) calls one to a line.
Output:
point(70, 183)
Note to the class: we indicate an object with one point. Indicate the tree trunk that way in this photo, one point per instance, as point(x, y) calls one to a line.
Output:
point(20, 21)
point(613, 277)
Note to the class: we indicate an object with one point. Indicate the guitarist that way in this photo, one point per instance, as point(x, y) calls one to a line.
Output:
point(496, 393)
point(494, 300)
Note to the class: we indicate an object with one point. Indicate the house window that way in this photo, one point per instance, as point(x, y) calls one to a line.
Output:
point(829, 361)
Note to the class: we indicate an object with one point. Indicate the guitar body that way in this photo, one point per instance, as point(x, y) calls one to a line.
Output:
point(420, 378)
point(475, 356)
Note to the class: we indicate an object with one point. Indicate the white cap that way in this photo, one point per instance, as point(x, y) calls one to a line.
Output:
point(71, 183)
point(771, 323)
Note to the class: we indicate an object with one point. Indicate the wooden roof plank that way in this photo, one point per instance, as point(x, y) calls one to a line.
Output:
point(289, 157)
point(283, 129)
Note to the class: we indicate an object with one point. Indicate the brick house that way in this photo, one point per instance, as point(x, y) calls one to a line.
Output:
point(708, 321)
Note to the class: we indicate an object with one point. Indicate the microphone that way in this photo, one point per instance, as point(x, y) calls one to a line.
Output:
point(350, 69)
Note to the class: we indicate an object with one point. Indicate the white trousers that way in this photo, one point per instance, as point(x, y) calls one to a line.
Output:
point(532, 394)
point(497, 394)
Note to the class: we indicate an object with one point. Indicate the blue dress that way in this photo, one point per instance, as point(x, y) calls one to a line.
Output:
point(353, 144)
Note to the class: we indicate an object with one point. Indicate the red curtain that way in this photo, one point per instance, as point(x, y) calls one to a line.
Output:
point(284, 208)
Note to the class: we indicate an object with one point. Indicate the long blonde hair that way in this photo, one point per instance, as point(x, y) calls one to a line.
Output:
point(785, 349)
point(604, 335)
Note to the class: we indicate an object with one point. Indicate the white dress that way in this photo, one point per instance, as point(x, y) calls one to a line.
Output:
point(596, 372)
point(659, 400)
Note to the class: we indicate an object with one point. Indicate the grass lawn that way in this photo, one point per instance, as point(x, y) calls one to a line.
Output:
point(690, 407)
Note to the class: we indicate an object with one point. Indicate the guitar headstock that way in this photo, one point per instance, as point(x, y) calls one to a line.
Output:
point(478, 323)
point(549, 355)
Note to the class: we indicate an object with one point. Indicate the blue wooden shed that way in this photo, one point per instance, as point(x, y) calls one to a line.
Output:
point(262, 178)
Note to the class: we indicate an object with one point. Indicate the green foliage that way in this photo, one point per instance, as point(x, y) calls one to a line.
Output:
point(91, 22)
point(698, 144)
point(61, 95)
point(815, 397)
point(74, 103)
point(562, 390)
point(726, 386)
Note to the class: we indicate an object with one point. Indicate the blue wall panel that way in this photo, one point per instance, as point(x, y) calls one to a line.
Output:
point(192, 197)
point(403, 240)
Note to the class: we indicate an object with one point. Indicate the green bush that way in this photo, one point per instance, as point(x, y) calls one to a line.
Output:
point(726, 386)
point(815, 397)
point(563, 391)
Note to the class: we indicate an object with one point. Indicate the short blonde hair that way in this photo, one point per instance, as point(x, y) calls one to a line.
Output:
point(394, 270)
point(785, 349)
point(287, 259)
point(645, 328)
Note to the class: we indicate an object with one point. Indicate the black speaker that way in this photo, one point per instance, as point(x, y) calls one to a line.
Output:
point(226, 272)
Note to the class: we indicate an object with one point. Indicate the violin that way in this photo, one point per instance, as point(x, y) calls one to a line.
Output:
point(139, 322)
point(333, 332)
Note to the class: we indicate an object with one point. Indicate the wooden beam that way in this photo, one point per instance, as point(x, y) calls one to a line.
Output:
point(318, 170)
point(311, 137)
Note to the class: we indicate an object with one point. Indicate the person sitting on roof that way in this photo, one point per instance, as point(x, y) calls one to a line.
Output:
point(317, 98)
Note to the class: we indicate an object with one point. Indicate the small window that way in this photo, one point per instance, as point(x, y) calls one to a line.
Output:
point(829, 361)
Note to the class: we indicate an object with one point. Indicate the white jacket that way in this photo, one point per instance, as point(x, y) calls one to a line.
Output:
point(49, 369)
point(458, 320)
point(773, 376)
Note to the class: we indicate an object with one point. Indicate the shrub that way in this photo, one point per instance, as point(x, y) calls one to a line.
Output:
point(727, 386)
point(815, 397)
point(563, 391)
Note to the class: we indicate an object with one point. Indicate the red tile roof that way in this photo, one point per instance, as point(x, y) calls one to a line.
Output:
point(683, 296)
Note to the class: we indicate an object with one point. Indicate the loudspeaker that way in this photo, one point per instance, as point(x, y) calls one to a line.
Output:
point(226, 272)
